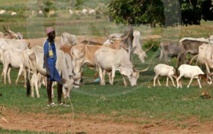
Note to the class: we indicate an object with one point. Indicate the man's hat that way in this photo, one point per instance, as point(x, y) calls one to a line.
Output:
point(49, 29)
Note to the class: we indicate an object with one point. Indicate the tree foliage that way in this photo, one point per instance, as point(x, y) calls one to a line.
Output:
point(162, 12)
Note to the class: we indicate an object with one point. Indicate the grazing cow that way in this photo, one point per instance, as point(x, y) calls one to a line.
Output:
point(84, 54)
point(189, 45)
point(168, 49)
point(36, 58)
point(108, 59)
point(164, 70)
point(69, 39)
point(192, 72)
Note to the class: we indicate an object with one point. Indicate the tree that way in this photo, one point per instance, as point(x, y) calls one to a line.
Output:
point(162, 12)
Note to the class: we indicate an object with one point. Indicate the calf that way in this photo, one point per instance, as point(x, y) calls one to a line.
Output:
point(164, 70)
point(192, 72)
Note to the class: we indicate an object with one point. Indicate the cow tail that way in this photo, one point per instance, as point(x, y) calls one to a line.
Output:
point(28, 82)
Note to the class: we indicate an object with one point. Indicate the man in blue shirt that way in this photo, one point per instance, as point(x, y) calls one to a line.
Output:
point(50, 58)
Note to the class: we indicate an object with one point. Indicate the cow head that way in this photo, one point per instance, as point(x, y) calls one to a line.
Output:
point(132, 75)
point(207, 78)
point(68, 85)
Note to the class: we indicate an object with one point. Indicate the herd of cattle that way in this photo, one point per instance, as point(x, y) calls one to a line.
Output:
point(110, 55)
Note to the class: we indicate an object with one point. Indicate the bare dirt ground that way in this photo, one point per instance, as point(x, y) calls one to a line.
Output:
point(100, 124)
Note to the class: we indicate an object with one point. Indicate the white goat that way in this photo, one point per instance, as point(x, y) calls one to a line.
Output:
point(192, 72)
point(13, 13)
point(164, 70)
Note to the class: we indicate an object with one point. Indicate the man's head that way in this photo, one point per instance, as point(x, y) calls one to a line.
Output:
point(50, 33)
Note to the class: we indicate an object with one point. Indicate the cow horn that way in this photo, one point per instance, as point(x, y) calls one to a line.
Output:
point(193, 59)
point(106, 33)
point(5, 29)
point(144, 69)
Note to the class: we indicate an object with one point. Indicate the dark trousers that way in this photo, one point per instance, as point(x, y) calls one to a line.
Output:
point(49, 91)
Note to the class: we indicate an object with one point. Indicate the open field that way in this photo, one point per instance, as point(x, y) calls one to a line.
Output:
point(106, 109)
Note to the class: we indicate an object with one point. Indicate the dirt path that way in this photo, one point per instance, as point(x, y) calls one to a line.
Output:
point(65, 123)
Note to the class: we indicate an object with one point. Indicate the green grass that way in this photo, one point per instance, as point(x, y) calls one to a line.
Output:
point(138, 104)
point(142, 101)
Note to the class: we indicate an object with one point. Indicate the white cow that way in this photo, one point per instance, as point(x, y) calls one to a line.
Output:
point(6, 53)
point(69, 39)
point(164, 70)
point(15, 58)
point(192, 72)
point(108, 59)
point(11, 43)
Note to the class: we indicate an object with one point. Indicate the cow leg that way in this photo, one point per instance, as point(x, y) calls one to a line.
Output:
point(102, 82)
point(158, 79)
point(59, 90)
point(124, 80)
point(154, 81)
point(33, 83)
point(198, 80)
point(172, 81)
point(113, 74)
point(190, 82)
point(19, 74)
point(37, 79)
point(25, 77)
point(110, 78)
point(103, 76)
point(8, 75)
point(178, 83)
point(5, 69)
point(167, 81)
